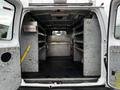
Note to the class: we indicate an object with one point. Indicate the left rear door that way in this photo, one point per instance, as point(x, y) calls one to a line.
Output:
point(10, 71)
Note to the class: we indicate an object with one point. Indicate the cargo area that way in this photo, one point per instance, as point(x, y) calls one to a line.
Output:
point(61, 44)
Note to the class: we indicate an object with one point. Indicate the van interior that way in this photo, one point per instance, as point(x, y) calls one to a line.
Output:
point(61, 45)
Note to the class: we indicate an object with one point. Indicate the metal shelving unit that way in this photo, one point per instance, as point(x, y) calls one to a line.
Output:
point(41, 37)
point(42, 42)
point(78, 41)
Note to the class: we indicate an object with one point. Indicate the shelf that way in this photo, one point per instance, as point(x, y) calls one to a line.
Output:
point(41, 30)
point(80, 33)
point(42, 47)
point(41, 41)
point(39, 26)
point(79, 49)
point(41, 34)
point(77, 41)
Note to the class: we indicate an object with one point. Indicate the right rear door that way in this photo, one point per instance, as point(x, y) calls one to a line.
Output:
point(113, 75)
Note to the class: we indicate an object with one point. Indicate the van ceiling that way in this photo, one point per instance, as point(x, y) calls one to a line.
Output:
point(59, 20)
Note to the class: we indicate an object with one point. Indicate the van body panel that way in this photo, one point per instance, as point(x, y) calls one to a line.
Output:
point(103, 26)
point(17, 47)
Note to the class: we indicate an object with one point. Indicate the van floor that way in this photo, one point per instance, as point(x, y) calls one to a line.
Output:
point(58, 67)
point(61, 67)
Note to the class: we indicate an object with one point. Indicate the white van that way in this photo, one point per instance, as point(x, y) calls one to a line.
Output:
point(58, 45)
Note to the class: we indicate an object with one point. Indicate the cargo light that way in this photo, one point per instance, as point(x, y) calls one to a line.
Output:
point(57, 33)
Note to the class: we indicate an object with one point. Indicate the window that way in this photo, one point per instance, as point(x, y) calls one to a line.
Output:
point(117, 26)
point(6, 20)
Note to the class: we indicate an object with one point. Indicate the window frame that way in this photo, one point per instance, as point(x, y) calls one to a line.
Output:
point(116, 22)
point(12, 26)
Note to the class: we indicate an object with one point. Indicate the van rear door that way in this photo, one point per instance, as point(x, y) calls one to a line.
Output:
point(113, 75)
point(10, 71)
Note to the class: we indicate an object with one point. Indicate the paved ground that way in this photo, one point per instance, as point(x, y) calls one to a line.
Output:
point(83, 88)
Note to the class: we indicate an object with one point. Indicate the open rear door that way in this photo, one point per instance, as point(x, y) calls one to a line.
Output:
point(113, 76)
point(10, 71)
